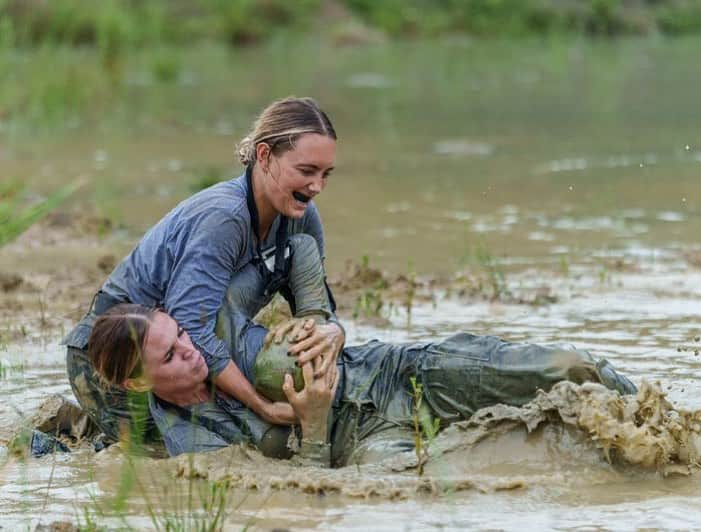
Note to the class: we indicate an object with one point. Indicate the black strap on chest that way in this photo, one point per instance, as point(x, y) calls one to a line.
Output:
point(278, 276)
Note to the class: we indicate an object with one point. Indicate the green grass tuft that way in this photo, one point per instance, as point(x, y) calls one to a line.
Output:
point(15, 218)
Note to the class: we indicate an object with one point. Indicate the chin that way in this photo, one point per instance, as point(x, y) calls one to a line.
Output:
point(296, 211)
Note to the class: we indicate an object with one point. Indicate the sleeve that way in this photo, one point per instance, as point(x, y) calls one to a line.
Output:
point(201, 274)
point(315, 453)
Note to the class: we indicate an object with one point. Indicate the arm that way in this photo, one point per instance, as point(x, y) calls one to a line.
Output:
point(197, 285)
point(234, 383)
point(312, 406)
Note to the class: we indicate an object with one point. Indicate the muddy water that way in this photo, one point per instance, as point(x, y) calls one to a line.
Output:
point(572, 167)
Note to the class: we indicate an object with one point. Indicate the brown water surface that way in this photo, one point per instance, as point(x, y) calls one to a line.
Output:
point(573, 167)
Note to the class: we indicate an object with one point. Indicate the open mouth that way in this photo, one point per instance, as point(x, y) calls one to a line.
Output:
point(301, 197)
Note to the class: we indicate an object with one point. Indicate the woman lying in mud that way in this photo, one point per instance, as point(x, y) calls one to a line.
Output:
point(363, 403)
point(231, 233)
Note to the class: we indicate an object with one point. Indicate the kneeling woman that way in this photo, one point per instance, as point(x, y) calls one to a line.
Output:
point(345, 410)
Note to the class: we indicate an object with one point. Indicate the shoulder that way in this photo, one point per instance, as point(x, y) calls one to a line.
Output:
point(218, 209)
point(225, 200)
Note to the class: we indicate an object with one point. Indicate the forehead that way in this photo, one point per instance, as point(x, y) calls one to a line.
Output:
point(312, 148)
point(161, 333)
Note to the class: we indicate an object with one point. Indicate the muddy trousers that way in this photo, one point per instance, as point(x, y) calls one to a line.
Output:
point(116, 412)
point(458, 376)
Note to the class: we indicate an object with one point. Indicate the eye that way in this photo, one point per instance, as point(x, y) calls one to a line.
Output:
point(169, 355)
point(307, 172)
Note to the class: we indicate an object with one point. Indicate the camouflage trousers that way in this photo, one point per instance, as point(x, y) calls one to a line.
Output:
point(116, 412)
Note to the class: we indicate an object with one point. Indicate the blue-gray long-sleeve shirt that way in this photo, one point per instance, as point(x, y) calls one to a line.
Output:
point(186, 262)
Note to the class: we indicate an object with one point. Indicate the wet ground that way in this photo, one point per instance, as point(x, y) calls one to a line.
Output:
point(540, 193)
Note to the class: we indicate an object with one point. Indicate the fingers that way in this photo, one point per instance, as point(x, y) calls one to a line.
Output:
point(282, 330)
point(302, 329)
point(328, 359)
point(322, 348)
point(288, 389)
point(329, 376)
point(305, 343)
point(316, 364)
point(308, 374)
point(332, 378)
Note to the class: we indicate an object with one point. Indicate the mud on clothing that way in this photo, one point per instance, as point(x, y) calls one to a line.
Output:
point(460, 375)
point(184, 264)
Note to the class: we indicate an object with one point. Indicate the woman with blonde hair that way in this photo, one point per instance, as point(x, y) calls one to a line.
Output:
point(234, 234)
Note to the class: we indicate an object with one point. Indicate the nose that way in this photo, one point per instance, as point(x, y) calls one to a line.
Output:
point(317, 185)
point(187, 350)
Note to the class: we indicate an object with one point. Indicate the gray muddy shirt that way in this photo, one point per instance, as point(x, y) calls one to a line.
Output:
point(186, 262)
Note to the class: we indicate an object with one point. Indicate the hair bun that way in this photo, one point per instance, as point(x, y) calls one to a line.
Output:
point(247, 151)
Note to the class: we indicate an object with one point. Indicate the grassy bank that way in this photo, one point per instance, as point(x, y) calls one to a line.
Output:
point(112, 25)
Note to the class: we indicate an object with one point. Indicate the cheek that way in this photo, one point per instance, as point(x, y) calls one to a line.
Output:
point(290, 179)
point(166, 374)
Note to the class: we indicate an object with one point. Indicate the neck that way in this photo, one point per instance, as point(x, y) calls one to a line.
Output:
point(192, 396)
point(202, 392)
point(266, 211)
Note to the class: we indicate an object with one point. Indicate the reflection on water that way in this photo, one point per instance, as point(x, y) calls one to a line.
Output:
point(541, 156)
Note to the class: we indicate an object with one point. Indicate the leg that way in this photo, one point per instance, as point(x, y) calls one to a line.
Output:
point(304, 289)
point(467, 372)
point(113, 410)
point(306, 277)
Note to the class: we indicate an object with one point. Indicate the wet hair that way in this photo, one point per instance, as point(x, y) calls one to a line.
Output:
point(117, 342)
point(281, 124)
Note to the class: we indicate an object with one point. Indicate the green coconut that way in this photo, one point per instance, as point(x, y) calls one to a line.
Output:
point(272, 363)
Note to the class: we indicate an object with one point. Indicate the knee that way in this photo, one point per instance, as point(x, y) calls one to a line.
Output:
point(304, 245)
point(305, 261)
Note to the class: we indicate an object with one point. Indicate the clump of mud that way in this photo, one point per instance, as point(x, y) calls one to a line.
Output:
point(644, 430)
point(57, 418)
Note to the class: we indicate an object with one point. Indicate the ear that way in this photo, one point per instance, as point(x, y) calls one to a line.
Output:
point(263, 154)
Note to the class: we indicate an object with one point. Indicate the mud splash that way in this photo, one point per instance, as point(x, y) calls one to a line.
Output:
point(574, 434)
point(644, 430)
